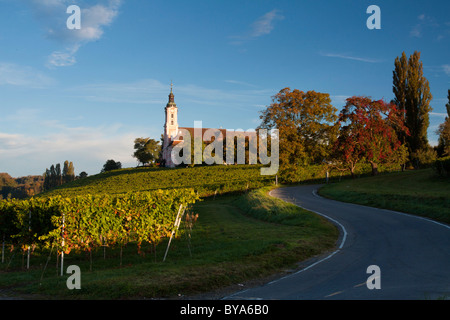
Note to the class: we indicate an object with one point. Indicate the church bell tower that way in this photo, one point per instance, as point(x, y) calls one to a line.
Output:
point(171, 124)
point(170, 127)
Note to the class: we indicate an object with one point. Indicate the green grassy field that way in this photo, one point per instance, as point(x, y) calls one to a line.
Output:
point(231, 243)
point(419, 192)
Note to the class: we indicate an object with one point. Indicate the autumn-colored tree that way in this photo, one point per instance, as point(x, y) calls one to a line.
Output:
point(306, 124)
point(368, 131)
point(68, 173)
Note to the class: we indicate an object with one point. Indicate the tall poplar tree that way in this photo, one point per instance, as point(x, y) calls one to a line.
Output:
point(412, 94)
point(68, 173)
point(399, 88)
point(443, 148)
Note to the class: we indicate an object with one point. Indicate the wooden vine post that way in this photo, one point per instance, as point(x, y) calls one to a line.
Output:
point(62, 245)
point(175, 229)
point(29, 246)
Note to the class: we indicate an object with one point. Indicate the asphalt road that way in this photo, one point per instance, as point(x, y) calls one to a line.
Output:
point(412, 253)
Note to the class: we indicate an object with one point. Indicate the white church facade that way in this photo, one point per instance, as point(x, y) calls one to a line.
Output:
point(172, 131)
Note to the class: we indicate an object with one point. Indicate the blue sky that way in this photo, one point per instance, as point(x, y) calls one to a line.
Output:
point(85, 95)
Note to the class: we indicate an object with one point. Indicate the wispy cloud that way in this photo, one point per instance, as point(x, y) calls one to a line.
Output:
point(150, 91)
point(17, 75)
point(265, 24)
point(349, 57)
point(63, 58)
point(446, 69)
point(240, 83)
point(94, 18)
point(428, 24)
point(439, 114)
point(262, 26)
point(423, 21)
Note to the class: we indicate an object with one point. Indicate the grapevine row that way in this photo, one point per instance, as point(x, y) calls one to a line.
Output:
point(83, 223)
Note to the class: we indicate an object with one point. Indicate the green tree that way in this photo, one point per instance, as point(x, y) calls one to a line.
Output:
point(412, 94)
point(111, 165)
point(83, 174)
point(58, 175)
point(147, 150)
point(399, 88)
point(443, 147)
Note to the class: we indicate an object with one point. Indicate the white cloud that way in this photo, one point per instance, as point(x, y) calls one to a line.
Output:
point(265, 24)
point(53, 17)
point(87, 147)
point(262, 26)
point(17, 75)
point(63, 58)
point(339, 100)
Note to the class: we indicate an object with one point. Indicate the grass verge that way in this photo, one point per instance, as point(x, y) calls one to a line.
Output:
point(236, 239)
point(419, 192)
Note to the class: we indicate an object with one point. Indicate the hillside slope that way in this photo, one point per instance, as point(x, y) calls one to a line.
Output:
point(207, 180)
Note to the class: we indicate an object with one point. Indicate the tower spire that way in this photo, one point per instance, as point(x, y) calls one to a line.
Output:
point(171, 96)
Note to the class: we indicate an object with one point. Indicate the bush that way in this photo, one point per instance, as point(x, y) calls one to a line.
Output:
point(442, 167)
point(424, 158)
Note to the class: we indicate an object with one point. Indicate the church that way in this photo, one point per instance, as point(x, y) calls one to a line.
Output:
point(215, 139)
point(172, 131)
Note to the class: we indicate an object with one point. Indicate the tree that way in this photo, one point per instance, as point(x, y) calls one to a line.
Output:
point(68, 173)
point(368, 131)
point(58, 176)
point(443, 147)
point(399, 87)
point(147, 150)
point(83, 174)
point(111, 165)
point(305, 121)
point(412, 93)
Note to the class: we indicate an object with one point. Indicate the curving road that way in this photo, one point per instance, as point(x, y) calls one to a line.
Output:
point(412, 253)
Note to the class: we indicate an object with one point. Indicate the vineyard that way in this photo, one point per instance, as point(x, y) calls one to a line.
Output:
point(86, 223)
point(90, 222)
